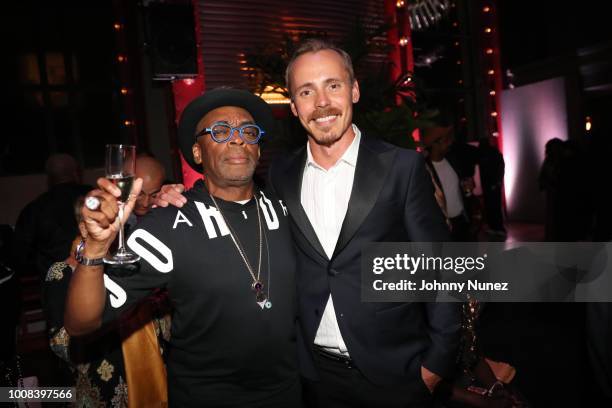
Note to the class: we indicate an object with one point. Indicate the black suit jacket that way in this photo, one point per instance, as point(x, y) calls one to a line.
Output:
point(392, 200)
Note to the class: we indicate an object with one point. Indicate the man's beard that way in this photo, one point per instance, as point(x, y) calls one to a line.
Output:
point(325, 139)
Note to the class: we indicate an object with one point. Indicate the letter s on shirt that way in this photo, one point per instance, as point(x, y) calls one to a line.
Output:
point(117, 294)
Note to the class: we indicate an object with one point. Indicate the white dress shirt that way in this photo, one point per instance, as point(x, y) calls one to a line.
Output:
point(451, 187)
point(325, 197)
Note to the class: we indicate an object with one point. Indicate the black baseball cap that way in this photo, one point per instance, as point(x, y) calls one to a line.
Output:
point(216, 98)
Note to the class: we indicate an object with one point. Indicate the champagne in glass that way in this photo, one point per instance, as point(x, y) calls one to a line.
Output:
point(120, 166)
point(124, 183)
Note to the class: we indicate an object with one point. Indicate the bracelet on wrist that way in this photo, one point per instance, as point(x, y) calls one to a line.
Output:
point(81, 259)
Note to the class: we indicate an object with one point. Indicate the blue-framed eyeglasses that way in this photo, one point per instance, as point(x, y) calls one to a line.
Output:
point(222, 132)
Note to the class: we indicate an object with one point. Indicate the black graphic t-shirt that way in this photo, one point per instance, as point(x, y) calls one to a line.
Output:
point(225, 349)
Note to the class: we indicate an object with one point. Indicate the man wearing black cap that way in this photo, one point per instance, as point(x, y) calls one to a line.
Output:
point(226, 258)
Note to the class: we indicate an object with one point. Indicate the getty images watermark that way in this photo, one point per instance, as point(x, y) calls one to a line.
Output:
point(488, 271)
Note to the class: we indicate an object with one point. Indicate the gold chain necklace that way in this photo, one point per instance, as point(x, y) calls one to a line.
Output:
point(257, 286)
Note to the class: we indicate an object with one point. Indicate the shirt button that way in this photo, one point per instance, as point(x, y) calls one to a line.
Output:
point(332, 272)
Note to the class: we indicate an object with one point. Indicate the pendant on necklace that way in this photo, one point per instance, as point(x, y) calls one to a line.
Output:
point(265, 304)
point(257, 286)
point(262, 300)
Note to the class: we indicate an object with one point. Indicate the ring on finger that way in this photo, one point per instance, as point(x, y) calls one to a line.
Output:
point(92, 203)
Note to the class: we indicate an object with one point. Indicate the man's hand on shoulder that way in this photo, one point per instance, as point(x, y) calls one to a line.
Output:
point(170, 194)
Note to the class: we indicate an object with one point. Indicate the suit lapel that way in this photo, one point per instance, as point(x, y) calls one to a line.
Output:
point(373, 165)
point(293, 199)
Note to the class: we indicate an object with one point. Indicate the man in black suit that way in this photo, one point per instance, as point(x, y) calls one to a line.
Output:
point(345, 190)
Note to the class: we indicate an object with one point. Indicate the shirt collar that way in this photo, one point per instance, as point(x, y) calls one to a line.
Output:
point(349, 156)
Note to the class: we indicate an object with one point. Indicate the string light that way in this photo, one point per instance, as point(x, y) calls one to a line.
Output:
point(188, 81)
point(490, 47)
point(400, 3)
point(124, 76)
point(588, 125)
point(403, 41)
point(458, 62)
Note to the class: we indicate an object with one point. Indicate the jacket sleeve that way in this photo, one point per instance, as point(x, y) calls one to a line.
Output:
point(423, 217)
point(425, 223)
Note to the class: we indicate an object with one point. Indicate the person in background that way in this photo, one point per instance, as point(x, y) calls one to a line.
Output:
point(453, 176)
point(153, 175)
point(491, 163)
point(46, 227)
point(479, 381)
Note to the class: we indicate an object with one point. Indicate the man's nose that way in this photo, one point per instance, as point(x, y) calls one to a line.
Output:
point(322, 99)
point(235, 137)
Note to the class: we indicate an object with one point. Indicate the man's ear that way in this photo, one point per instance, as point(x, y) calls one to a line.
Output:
point(293, 108)
point(197, 153)
point(355, 92)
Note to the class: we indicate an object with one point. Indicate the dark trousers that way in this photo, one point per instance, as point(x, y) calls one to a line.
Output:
point(460, 229)
point(342, 385)
point(493, 208)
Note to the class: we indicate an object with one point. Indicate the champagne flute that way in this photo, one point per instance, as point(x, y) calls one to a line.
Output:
point(120, 166)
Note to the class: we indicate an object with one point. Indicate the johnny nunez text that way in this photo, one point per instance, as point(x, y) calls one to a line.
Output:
point(424, 285)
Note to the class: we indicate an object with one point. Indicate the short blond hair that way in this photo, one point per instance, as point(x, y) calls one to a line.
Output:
point(315, 45)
